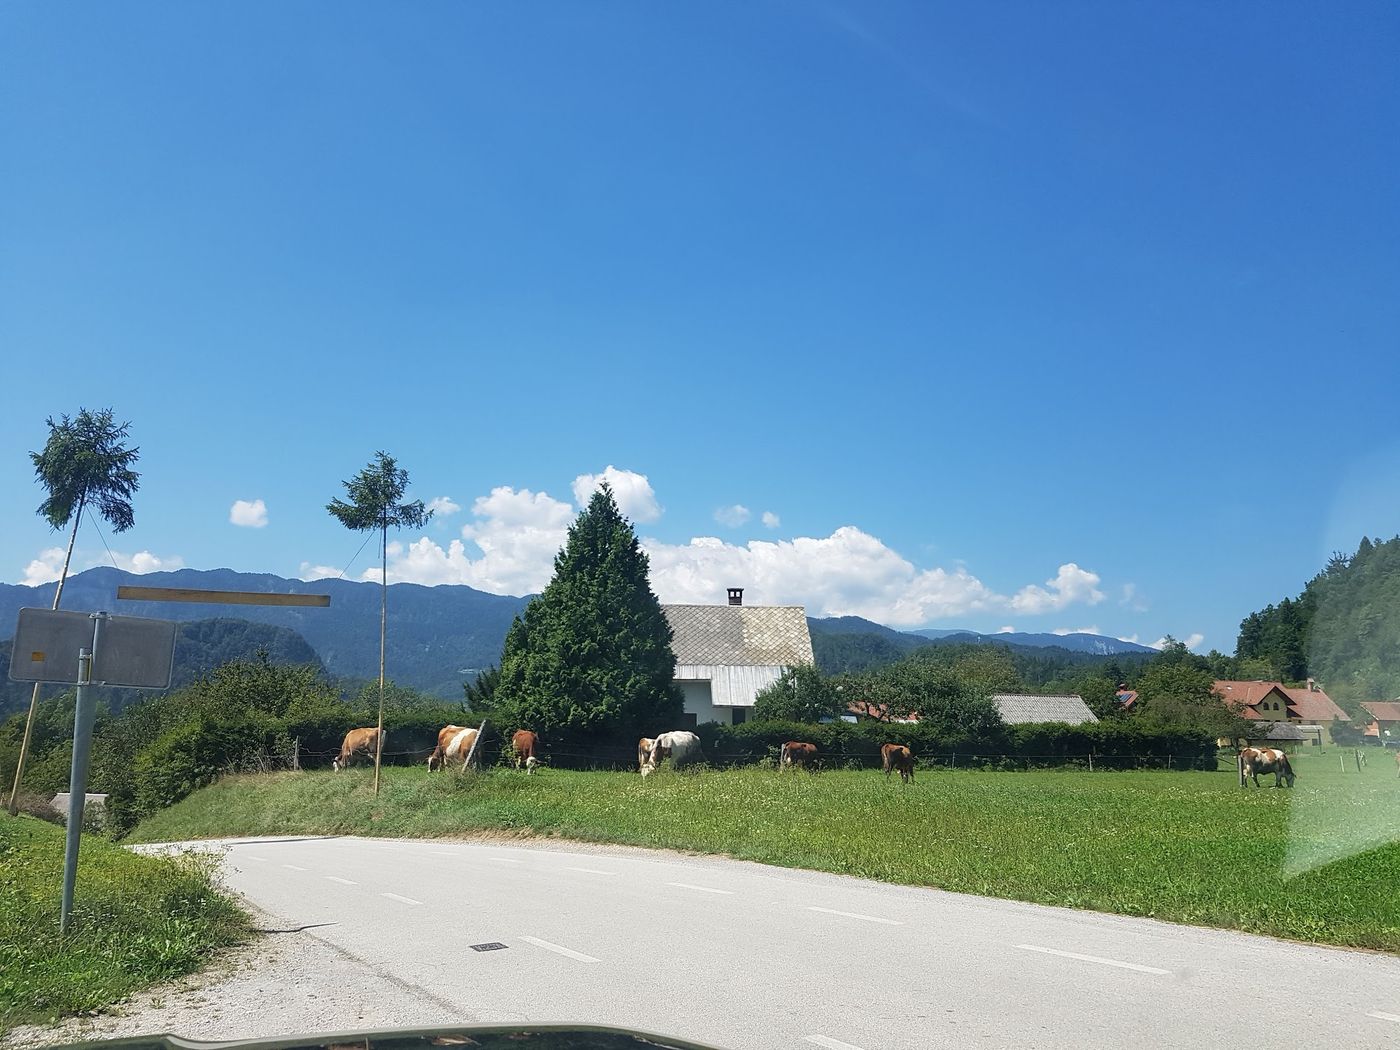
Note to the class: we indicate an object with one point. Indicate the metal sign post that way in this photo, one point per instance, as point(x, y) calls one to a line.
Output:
point(123, 651)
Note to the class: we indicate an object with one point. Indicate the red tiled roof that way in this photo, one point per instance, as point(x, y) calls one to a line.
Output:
point(1313, 705)
point(1383, 710)
point(1247, 696)
point(879, 712)
point(1127, 697)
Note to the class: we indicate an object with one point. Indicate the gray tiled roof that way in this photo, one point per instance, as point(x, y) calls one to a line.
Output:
point(1016, 708)
point(740, 635)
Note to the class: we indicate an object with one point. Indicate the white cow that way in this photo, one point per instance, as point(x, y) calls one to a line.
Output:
point(454, 742)
point(680, 747)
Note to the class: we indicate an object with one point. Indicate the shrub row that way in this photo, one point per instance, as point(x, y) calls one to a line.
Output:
point(1112, 744)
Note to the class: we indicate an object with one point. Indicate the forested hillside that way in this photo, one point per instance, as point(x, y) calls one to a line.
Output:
point(1343, 629)
point(200, 647)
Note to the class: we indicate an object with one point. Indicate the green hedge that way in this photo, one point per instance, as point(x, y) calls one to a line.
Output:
point(1115, 745)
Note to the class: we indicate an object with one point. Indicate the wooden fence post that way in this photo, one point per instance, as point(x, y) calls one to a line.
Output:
point(1091, 761)
point(471, 751)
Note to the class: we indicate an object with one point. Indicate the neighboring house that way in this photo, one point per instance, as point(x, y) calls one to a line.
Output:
point(1127, 698)
point(1016, 708)
point(876, 712)
point(1384, 721)
point(1275, 734)
point(727, 654)
point(1275, 702)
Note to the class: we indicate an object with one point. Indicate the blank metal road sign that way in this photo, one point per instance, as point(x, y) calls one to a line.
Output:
point(132, 651)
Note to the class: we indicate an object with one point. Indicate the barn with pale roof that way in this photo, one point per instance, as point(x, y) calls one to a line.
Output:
point(727, 654)
point(1020, 708)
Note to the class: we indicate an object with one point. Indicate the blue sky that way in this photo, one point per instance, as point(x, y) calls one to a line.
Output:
point(967, 298)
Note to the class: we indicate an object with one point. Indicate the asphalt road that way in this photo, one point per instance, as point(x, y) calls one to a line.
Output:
point(744, 956)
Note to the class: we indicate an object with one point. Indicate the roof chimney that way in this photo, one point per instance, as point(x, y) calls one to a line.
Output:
point(1312, 685)
point(736, 596)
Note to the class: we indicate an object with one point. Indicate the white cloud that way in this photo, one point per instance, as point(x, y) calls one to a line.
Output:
point(1008, 629)
point(509, 548)
point(1070, 586)
point(1131, 599)
point(1062, 631)
point(143, 562)
point(47, 567)
point(1191, 641)
point(1129, 638)
point(443, 506)
point(631, 490)
point(847, 573)
point(250, 514)
point(317, 572)
point(770, 520)
point(733, 516)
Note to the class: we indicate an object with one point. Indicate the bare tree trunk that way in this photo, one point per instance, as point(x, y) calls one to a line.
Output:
point(34, 697)
point(383, 624)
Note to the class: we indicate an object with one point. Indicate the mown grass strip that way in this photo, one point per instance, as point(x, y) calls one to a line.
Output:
point(136, 921)
point(1186, 847)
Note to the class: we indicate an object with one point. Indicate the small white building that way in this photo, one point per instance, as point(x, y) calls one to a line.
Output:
point(727, 654)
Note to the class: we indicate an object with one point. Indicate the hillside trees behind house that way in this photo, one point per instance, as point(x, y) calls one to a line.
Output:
point(1343, 629)
point(591, 659)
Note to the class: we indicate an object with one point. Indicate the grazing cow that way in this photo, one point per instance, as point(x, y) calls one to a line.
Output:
point(797, 753)
point(453, 742)
point(680, 747)
point(1266, 760)
point(358, 742)
point(523, 743)
point(897, 756)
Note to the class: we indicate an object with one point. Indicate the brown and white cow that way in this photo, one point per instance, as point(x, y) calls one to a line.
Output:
point(680, 746)
point(797, 753)
point(454, 742)
point(897, 757)
point(1266, 760)
point(523, 743)
point(358, 742)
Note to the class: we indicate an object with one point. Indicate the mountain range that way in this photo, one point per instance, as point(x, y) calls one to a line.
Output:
point(439, 637)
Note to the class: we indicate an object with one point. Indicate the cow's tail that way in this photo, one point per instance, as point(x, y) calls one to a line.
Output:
point(782, 756)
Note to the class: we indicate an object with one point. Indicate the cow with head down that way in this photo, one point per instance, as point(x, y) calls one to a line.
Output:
point(358, 742)
point(454, 742)
point(897, 757)
point(681, 747)
point(797, 753)
point(523, 743)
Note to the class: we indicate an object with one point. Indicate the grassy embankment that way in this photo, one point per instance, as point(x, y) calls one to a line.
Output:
point(1187, 847)
point(136, 921)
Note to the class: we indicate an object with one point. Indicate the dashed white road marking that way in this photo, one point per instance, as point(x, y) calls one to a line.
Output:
point(560, 949)
point(343, 882)
point(702, 889)
point(293, 867)
point(591, 871)
point(1384, 1016)
point(441, 853)
point(505, 860)
point(830, 1043)
point(856, 915)
point(396, 897)
point(1093, 959)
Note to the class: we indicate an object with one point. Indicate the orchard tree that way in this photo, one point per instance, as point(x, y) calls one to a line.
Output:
point(802, 694)
point(374, 506)
point(591, 657)
point(85, 463)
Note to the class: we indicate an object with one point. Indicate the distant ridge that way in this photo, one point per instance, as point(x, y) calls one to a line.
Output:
point(439, 637)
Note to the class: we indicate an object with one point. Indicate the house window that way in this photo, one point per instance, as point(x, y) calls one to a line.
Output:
point(741, 715)
point(688, 720)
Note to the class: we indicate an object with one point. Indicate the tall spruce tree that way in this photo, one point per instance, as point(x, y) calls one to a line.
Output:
point(591, 657)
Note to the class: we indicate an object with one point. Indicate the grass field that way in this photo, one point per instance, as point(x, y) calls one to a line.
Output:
point(1187, 847)
point(136, 920)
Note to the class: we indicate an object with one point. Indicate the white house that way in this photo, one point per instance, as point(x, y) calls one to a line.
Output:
point(726, 654)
